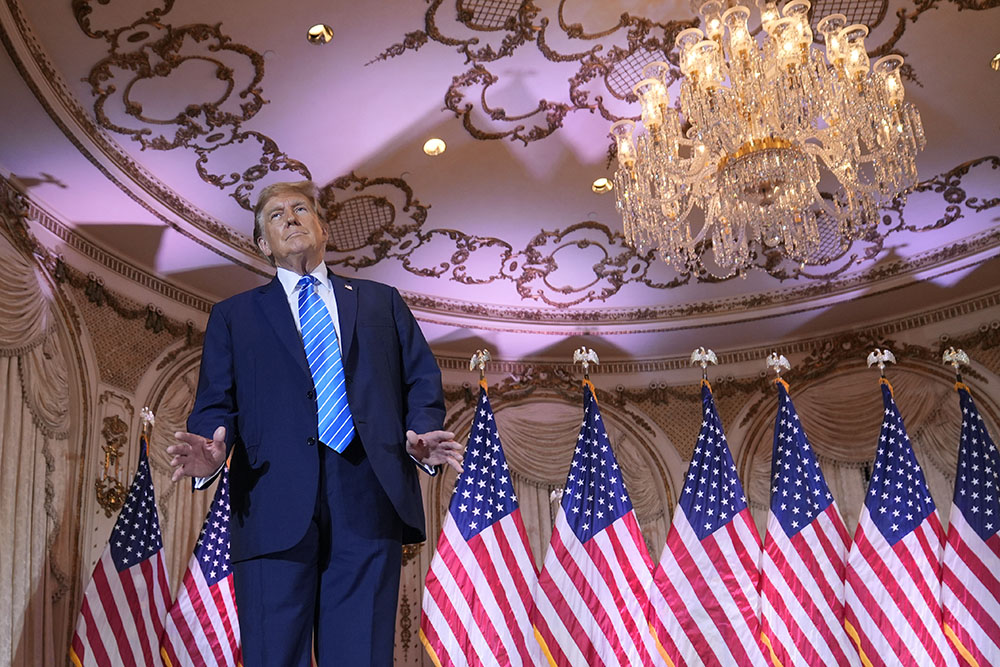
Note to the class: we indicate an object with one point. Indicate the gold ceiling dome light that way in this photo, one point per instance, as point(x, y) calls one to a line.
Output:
point(767, 119)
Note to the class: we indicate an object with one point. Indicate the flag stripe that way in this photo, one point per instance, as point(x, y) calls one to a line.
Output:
point(583, 581)
point(195, 591)
point(202, 627)
point(970, 589)
point(121, 614)
point(680, 611)
point(799, 602)
point(709, 604)
point(458, 589)
point(908, 630)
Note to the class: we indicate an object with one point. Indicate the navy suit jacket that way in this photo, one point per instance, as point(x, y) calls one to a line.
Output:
point(255, 381)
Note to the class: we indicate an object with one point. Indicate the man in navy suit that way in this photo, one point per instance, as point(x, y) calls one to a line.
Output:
point(316, 534)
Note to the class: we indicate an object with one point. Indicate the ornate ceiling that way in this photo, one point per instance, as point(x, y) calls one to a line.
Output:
point(149, 125)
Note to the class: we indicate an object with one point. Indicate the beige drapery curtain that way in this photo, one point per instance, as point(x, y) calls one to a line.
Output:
point(35, 471)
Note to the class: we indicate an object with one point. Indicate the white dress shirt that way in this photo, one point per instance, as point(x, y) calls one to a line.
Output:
point(290, 282)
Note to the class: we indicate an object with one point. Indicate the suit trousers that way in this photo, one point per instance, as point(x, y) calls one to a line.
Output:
point(338, 587)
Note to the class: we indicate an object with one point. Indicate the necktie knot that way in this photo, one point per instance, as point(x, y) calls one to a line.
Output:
point(308, 282)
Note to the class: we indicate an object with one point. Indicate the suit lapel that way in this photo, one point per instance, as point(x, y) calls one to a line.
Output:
point(274, 302)
point(347, 311)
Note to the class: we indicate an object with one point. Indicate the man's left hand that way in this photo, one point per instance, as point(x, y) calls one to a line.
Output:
point(435, 448)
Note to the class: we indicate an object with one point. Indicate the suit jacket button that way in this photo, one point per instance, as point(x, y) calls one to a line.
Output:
point(311, 395)
point(311, 441)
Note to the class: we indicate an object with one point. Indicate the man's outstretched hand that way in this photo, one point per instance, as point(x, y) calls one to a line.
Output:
point(435, 448)
point(195, 456)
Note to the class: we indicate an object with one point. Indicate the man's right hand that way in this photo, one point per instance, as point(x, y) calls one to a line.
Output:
point(195, 456)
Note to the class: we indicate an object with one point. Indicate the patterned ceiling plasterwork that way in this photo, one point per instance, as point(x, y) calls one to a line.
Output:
point(646, 40)
point(56, 99)
point(513, 25)
point(149, 50)
point(745, 304)
point(453, 254)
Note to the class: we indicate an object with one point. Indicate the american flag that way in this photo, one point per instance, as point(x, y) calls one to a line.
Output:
point(478, 595)
point(705, 601)
point(893, 588)
point(805, 549)
point(121, 618)
point(202, 628)
point(592, 597)
point(970, 591)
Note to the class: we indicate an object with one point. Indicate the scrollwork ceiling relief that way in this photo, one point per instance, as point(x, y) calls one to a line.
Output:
point(146, 51)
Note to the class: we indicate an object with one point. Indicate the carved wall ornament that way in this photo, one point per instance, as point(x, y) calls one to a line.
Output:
point(109, 488)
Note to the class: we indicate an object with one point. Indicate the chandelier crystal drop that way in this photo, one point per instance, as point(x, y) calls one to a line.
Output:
point(762, 120)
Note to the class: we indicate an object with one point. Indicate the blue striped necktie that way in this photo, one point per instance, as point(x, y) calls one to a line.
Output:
point(336, 426)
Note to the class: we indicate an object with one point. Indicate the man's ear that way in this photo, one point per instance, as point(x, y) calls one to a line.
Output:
point(264, 247)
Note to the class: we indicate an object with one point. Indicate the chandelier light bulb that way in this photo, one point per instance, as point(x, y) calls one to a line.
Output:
point(763, 123)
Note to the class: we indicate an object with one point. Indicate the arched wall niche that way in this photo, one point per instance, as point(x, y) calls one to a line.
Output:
point(842, 412)
point(45, 417)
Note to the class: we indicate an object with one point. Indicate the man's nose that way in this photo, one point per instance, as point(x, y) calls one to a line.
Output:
point(291, 220)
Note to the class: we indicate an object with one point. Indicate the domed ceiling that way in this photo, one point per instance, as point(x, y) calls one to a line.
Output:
point(150, 125)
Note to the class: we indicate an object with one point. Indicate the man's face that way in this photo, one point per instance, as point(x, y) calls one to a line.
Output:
point(291, 232)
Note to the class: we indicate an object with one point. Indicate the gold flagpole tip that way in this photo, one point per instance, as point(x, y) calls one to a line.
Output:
point(479, 360)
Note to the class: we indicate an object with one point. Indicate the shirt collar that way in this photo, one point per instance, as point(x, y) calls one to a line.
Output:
point(289, 279)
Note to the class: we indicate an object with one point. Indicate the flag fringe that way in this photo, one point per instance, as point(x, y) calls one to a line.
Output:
point(775, 660)
point(659, 647)
point(430, 650)
point(959, 646)
point(541, 640)
point(853, 634)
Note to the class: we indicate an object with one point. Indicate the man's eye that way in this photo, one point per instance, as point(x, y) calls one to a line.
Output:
point(300, 208)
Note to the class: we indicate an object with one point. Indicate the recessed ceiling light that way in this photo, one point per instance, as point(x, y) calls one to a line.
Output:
point(602, 185)
point(434, 146)
point(320, 33)
point(995, 63)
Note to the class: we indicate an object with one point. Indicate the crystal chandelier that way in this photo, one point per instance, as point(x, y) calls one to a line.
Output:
point(761, 122)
